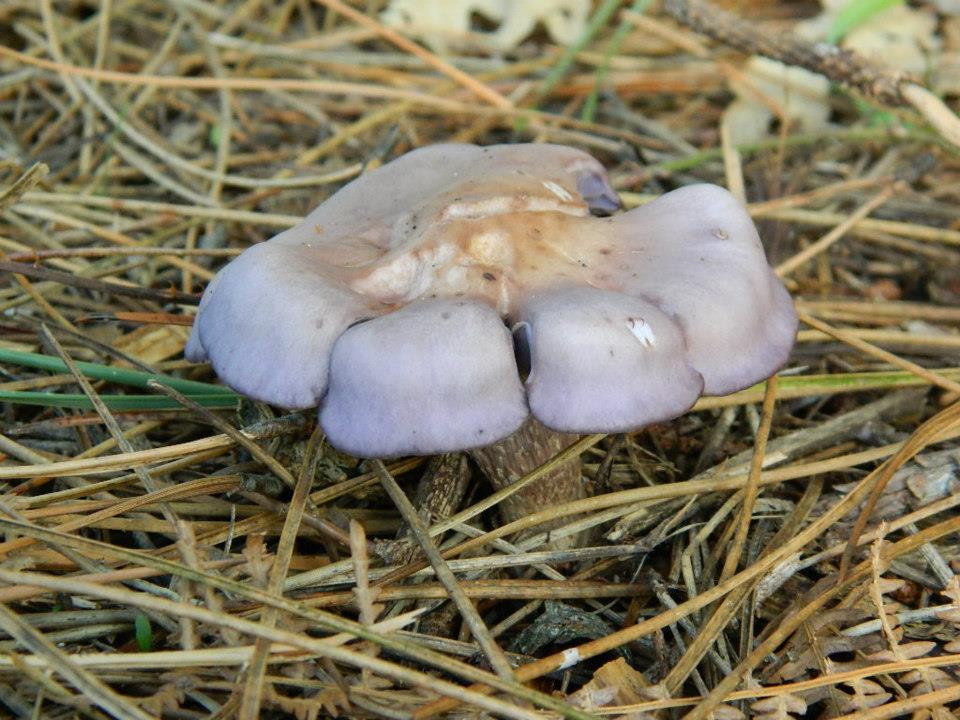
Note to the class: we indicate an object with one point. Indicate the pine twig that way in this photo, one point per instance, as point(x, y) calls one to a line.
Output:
point(839, 65)
point(842, 66)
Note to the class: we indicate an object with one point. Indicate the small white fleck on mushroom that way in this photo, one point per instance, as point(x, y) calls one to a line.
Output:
point(720, 233)
point(557, 190)
point(642, 332)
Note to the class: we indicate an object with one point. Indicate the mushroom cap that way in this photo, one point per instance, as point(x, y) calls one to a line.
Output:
point(389, 304)
point(600, 361)
point(696, 254)
point(400, 382)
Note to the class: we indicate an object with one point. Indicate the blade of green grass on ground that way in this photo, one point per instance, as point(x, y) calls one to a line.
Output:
point(596, 23)
point(121, 376)
point(613, 47)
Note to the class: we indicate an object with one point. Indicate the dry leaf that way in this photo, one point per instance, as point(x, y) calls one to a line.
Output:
point(443, 24)
point(780, 705)
point(906, 651)
point(166, 700)
point(153, 343)
point(331, 700)
point(769, 90)
point(866, 694)
point(615, 683)
point(900, 38)
point(258, 560)
point(726, 712)
point(926, 680)
point(887, 586)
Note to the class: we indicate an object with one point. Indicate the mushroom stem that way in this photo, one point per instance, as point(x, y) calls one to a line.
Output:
point(529, 447)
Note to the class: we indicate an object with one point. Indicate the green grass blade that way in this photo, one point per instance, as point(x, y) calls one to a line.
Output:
point(613, 47)
point(596, 23)
point(143, 632)
point(121, 376)
point(790, 387)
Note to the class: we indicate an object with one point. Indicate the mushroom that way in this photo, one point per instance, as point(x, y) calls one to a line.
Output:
point(465, 297)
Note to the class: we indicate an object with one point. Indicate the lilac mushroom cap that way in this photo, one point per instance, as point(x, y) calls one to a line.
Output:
point(389, 305)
